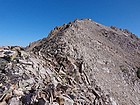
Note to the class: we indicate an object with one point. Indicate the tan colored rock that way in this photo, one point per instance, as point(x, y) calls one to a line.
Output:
point(60, 100)
point(18, 92)
point(3, 103)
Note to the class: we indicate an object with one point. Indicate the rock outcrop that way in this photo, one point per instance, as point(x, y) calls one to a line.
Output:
point(79, 63)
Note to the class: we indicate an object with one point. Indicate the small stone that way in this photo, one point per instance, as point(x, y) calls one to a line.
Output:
point(3, 103)
point(60, 100)
point(41, 101)
point(18, 92)
point(14, 101)
point(26, 100)
point(1, 84)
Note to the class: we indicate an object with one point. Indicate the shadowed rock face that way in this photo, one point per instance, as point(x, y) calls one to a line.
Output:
point(80, 63)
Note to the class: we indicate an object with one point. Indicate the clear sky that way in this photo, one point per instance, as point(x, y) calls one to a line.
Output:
point(24, 21)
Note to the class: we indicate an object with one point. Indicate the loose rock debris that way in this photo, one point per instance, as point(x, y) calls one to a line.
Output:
point(80, 63)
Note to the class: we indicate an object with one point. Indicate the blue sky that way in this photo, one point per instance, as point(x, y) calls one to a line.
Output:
point(24, 21)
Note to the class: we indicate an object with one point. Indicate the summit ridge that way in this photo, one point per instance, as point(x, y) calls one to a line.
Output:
point(79, 63)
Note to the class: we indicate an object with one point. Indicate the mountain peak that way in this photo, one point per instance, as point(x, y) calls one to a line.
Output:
point(82, 62)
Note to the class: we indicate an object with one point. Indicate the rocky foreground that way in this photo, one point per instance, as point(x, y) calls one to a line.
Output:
point(80, 63)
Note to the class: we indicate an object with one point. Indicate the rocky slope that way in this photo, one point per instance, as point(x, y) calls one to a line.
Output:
point(80, 63)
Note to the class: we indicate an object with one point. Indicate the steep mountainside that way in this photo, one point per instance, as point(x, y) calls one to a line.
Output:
point(80, 63)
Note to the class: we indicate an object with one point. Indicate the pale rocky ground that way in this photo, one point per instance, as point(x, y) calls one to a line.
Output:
point(80, 63)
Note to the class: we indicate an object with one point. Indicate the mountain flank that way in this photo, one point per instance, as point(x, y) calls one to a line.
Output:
point(79, 63)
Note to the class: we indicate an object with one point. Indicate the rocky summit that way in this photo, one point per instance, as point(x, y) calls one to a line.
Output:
point(79, 63)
